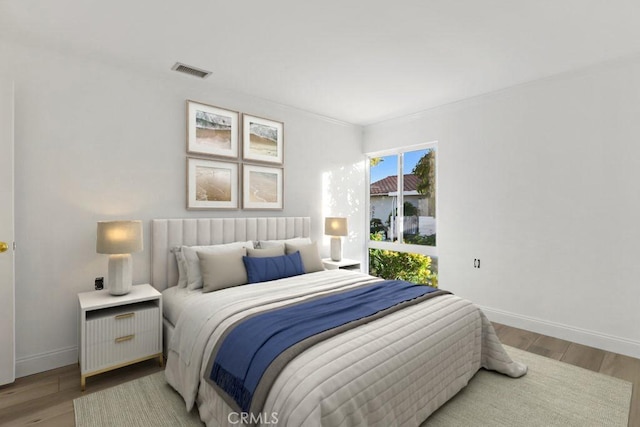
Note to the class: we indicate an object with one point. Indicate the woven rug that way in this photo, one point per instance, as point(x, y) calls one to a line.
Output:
point(551, 394)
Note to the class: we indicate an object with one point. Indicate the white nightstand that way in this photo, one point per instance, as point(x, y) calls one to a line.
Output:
point(344, 263)
point(117, 331)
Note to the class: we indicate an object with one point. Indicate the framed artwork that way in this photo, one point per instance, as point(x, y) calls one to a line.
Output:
point(212, 184)
point(263, 139)
point(212, 130)
point(262, 187)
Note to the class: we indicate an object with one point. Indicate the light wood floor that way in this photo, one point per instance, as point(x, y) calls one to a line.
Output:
point(46, 399)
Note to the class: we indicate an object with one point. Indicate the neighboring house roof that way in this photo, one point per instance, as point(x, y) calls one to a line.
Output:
point(390, 185)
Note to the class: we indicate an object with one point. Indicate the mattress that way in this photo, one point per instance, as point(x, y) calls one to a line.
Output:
point(396, 370)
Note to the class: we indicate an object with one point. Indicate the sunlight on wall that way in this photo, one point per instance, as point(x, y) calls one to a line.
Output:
point(343, 195)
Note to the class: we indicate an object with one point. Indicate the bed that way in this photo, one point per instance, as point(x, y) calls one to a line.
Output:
point(395, 369)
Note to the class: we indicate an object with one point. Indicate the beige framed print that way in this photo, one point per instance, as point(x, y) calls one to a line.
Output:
point(212, 130)
point(262, 187)
point(263, 140)
point(212, 184)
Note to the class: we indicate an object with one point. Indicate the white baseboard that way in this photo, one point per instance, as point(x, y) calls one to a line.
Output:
point(46, 361)
point(570, 333)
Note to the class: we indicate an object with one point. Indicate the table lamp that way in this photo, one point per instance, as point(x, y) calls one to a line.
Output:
point(336, 228)
point(119, 239)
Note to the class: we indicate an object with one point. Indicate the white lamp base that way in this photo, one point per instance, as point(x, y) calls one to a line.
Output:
point(336, 248)
point(119, 275)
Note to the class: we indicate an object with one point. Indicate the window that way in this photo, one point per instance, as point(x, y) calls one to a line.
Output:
point(402, 201)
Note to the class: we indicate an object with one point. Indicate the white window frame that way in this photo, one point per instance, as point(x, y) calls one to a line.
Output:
point(431, 251)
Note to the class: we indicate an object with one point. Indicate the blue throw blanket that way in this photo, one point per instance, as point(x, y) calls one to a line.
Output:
point(253, 344)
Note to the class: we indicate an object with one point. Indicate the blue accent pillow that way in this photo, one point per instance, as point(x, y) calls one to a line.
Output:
point(273, 268)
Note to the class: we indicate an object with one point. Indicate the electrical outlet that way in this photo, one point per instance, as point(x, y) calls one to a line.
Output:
point(476, 263)
point(99, 283)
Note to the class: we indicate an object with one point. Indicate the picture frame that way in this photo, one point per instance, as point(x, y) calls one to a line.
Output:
point(263, 140)
point(262, 187)
point(212, 130)
point(212, 184)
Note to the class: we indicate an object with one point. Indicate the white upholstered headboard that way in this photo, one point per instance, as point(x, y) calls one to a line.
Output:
point(169, 233)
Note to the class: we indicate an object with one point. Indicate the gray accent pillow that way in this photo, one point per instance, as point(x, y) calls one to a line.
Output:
point(192, 262)
point(222, 270)
point(310, 256)
point(263, 253)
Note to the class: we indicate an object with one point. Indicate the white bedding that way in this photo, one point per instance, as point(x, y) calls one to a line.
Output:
point(396, 370)
point(175, 299)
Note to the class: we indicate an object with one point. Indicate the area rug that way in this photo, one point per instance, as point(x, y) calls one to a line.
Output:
point(551, 394)
point(145, 402)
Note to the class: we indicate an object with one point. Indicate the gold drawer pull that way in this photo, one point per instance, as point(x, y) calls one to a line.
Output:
point(125, 338)
point(125, 316)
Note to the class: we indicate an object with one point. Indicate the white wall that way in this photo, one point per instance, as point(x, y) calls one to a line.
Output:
point(541, 182)
point(96, 142)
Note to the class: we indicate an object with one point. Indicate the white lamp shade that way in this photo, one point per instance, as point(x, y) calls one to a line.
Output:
point(119, 237)
point(335, 226)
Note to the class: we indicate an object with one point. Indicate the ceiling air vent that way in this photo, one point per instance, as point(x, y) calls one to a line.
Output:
point(188, 69)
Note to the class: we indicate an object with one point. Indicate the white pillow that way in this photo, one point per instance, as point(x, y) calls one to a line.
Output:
point(182, 271)
point(267, 244)
point(192, 262)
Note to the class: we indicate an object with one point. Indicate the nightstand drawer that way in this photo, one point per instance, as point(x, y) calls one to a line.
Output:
point(117, 331)
point(108, 324)
point(122, 349)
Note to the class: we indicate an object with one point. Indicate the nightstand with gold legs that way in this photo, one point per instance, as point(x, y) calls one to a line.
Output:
point(116, 331)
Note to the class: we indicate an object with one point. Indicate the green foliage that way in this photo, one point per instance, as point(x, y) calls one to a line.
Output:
point(391, 265)
point(375, 161)
point(376, 226)
point(409, 210)
point(425, 169)
point(420, 239)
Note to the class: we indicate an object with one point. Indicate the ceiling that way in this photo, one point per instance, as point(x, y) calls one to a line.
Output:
point(359, 61)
